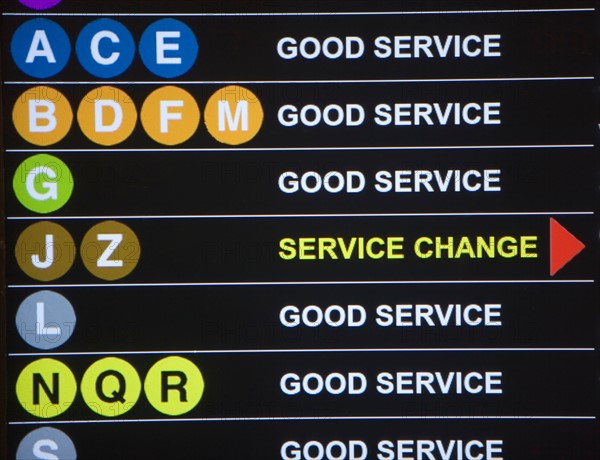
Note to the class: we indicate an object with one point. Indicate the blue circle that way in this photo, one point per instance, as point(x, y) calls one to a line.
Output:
point(40, 48)
point(105, 48)
point(45, 440)
point(45, 320)
point(176, 53)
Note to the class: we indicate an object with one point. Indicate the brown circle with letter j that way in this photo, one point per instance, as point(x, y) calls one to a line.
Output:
point(45, 251)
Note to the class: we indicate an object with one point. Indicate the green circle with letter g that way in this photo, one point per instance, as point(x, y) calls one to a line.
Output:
point(43, 183)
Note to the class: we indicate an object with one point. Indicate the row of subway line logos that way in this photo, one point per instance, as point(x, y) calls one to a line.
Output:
point(233, 115)
point(43, 443)
point(43, 183)
point(168, 48)
point(46, 388)
point(110, 250)
point(46, 320)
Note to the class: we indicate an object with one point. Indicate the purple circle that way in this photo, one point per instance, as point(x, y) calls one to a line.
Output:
point(40, 4)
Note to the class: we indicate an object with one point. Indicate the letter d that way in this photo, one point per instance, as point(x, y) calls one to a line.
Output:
point(100, 125)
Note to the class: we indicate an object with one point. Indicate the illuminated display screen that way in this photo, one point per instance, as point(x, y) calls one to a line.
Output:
point(301, 230)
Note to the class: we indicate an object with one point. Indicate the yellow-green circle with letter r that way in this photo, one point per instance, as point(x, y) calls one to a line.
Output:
point(174, 385)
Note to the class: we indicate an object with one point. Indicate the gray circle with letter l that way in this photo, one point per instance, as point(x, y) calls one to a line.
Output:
point(46, 444)
point(45, 320)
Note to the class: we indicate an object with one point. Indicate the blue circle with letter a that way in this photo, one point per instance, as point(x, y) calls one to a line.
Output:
point(105, 48)
point(168, 48)
point(40, 48)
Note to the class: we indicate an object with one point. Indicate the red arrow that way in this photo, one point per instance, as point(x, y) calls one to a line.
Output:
point(563, 246)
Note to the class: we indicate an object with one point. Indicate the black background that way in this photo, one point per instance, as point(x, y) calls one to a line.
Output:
point(224, 181)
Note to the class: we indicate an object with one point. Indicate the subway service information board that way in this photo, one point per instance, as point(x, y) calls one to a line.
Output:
point(301, 230)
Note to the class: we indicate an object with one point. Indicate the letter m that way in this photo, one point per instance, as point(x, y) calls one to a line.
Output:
point(233, 121)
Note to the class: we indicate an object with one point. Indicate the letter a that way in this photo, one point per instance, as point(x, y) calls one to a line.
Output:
point(35, 50)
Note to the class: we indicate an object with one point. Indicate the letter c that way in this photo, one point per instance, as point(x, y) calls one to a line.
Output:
point(95, 47)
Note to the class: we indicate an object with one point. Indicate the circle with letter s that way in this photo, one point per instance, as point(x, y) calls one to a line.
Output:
point(46, 444)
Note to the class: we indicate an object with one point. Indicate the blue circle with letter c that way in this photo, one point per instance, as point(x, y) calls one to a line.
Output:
point(105, 48)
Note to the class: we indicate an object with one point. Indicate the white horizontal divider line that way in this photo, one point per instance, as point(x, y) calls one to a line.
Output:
point(323, 418)
point(301, 216)
point(302, 351)
point(317, 13)
point(300, 283)
point(301, 82)
point(309, 149)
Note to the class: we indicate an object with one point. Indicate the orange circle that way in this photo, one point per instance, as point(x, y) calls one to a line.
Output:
point(170, 115)
point(107, 115)
point(42, 115)
point(233, 115)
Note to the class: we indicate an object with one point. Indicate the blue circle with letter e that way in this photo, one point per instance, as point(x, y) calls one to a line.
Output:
point(168, 48)
point(105, 48)
point(40, 48)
